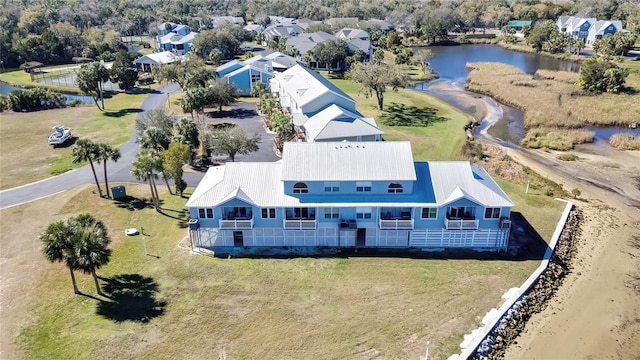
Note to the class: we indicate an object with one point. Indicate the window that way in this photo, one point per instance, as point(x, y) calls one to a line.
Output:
point(331, 213)
point(363, 213)
point(300, 188)
point(363, 186)
point(301, 213)
point(331, 186)
point(205, 213)
point(429, 213)
point(394, 188)
point(492, 213)
point(268, 213)
point(461, 212)
point(255, 78)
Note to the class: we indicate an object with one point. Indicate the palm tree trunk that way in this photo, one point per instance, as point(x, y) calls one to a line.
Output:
point(73, 280)
point(156, 197)
point(106, 182)
point(95, 280)
point(101, 94)
point(166, 181)
point(153, 195)
point(95, 177)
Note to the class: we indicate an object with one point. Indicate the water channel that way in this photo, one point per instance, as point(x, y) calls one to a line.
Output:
point(5, 89)
point(449, 62)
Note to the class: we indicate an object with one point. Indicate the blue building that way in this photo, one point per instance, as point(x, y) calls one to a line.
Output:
point(261, 68)
point(350, 194)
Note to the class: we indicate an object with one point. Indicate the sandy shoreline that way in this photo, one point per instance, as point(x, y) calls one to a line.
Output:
point(595, 313)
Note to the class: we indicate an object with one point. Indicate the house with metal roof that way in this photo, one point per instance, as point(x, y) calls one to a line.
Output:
point(146, 62)
point(320, 110)
point(260, 68)
point(349, 194)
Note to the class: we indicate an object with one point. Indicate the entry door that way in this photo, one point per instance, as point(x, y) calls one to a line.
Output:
point(238, 239)
point(361, 236)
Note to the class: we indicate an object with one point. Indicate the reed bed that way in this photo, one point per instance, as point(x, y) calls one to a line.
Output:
point(625, 142)
point(551, 99)
point(556, 138)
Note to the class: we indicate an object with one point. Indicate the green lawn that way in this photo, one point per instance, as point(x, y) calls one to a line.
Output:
point(438, 141)
point(25, 155)
point(176, 305)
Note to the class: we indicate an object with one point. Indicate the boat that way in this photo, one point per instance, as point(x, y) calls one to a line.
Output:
point(60, 135)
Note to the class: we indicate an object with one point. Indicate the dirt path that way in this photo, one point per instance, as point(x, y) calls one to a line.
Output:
point(594, 314)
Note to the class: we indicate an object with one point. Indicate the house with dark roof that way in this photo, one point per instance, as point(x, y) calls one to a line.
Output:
point(349, 195)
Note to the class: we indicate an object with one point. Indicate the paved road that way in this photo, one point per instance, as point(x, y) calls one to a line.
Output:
point(241, 114)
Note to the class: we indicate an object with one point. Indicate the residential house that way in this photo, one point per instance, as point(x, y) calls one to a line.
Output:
point(226, 20)
point(349, 194)
point(587, 29)
point(357, 39)
point(175, 37)
point(245, 74)
point(319, 110)
point(305, 42)
point(275, 32)
point(518, 25)
point(147, 62)
point(256, 28)
point(383, 25)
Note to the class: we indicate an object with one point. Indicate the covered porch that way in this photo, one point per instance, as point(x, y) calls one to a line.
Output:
point(396, 219)
point(236, 218)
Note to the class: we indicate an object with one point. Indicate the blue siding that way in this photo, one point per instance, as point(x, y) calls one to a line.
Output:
point(349, 188)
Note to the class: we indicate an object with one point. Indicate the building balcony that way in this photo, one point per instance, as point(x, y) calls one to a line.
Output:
point(396, 224)
point(454, 224)
point(236, 224)
point(299, 224)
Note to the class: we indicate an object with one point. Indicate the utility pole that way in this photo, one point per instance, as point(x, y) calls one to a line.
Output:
point(144, 241)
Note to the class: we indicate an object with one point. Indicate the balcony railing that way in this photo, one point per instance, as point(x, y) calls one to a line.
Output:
point(300, 224)
point(236, 224)
point(396, 224)
point(461, 224)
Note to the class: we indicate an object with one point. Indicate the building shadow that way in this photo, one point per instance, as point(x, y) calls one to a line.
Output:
point(525, 243)
point(132, 297)
point(122, 112)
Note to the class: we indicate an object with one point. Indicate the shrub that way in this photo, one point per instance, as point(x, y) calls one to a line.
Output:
point(568, 157)
point(625, 142)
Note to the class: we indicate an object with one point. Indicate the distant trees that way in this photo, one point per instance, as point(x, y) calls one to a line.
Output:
point(374, 78)
point(224, 41)
point(602, 75)
point(123, 71)
point(331, 53)
point(617, 44)
point(541, 33)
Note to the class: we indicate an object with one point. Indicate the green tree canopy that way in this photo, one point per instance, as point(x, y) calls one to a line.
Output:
point(90, 80)
point(123, 71)
point(374, 78)
point(173, 160)
point(332, 53)
point(234, 141)
point(602, 75)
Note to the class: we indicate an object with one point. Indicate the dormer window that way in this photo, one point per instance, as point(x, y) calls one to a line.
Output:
point(394, 188)
point(300, 188)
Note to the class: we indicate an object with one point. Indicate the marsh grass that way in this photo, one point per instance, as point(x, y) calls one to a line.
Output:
point(556, 139)
point(625, 142)
point(564, 105)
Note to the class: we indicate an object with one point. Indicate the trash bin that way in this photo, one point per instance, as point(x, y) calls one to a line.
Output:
point(193, 224)
point(118, 192)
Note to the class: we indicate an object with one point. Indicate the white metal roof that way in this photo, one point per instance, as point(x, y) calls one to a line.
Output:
point(344, 161)
point(164, 57)
point(336, 122)
point(304, 85)
point(453, 180)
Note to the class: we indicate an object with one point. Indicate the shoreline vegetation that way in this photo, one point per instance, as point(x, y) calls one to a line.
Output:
point(558, 124)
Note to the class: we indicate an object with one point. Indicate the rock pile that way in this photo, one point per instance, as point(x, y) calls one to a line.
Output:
point(536, 298)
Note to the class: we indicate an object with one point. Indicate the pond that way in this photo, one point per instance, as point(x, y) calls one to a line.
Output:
point(5, 89)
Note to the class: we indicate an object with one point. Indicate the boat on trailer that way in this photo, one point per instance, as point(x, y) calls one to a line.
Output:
point(60, 134)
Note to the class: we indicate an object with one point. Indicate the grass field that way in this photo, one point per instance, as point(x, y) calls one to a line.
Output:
point(25, 155)
point(176, 305)
point(438, 141)
point(565, 107)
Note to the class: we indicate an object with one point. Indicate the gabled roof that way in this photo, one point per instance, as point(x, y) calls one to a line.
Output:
point(305, 85)
point(247, 68)
point(519, 23)
point(601, 25)
point(254, 27)
point(174, 38)
point(221, 20)
point(164, 57)
point(284, 30)
point(335, 122)
point(351, 33)
point(229, 67)
point(348, 161)
point(454, 180)
point(355, 44)
point(305, 42)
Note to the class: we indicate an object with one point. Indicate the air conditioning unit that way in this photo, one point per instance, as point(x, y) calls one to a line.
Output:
point(505, 224)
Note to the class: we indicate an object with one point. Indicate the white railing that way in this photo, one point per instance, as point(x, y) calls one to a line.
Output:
point(236, 224)
point(461, 224)
point(396, 224)
point(299, 224)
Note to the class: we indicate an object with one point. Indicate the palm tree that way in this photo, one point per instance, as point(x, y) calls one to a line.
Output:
point(57, 242)
point(86, 150)
point(157, 141)
point(144, 167)
point(186, 132)
point(90, 246)
point(105, 153)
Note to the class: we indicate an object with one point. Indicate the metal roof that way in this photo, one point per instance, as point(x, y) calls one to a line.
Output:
point(348, 161)
point(335, 122)
point(453, 180)
point(304, 85)
point(164, 57)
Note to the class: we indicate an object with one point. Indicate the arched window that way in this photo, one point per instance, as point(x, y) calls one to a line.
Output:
point(394, 188)
point(300, 188)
